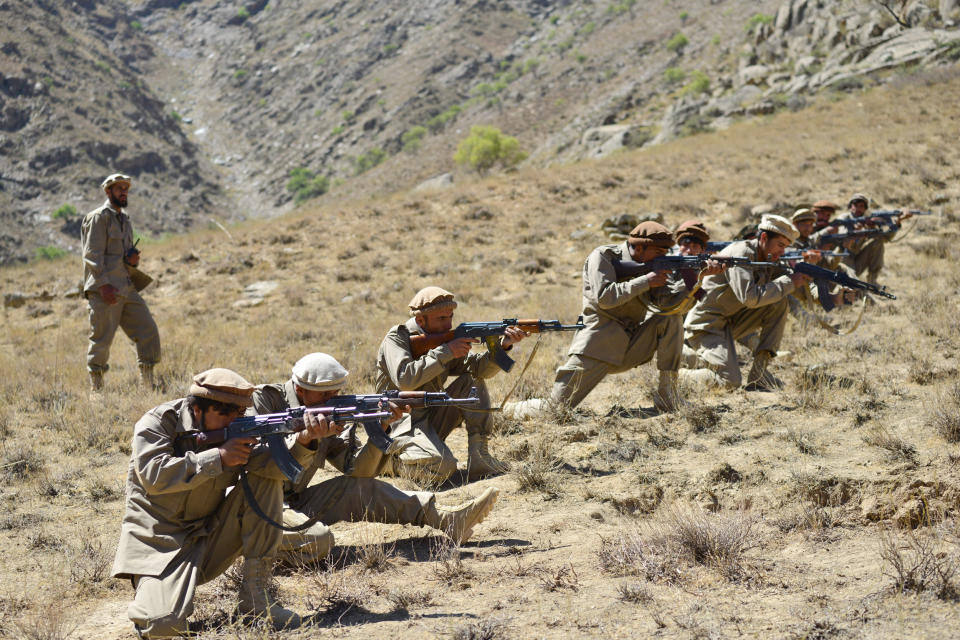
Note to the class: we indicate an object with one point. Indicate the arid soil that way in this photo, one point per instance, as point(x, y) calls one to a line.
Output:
point(826, 510)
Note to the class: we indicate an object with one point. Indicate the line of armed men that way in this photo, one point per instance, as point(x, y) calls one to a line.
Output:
point(228, 471)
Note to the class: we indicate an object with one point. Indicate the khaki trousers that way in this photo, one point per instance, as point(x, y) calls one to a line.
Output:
point(658, 335)
point(163, 603)
point(869, 258)
point(131, 314)
point(428, 456)
point(715, 347)
point(348, 499)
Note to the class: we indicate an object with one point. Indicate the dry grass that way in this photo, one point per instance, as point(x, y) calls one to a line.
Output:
point(896, 447)
point(491, 628)
point(944, 414)
point(537, 467)
point(923, 560)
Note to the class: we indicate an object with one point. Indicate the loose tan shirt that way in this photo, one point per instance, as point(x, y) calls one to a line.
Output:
point(612, 309)
point(276, 398)
point(174, 489)
point(105, 237)
point(398, 369)
point(737, 288)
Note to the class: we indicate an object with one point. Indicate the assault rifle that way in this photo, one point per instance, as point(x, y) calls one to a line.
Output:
point(819, 274)
point(415, 399)
point(627, 269)
point(890, 218)
point(798, 255)
point(271, 428)
point(838, 238)
point(489, 332)
point(713, 247)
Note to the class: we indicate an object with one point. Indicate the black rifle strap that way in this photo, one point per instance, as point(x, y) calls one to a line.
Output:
point(252, 501)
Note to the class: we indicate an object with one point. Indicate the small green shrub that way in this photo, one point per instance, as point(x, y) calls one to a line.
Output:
point(684, 15)
point(370, 159)
point(50, 253)
point(758, 19)
point(239, 74)
point(677, 43)
point(487, 146)
point(136, 25)
point(699, 83)
point(674, 75)
point(337, 130)
point(242, 13)
point(305, 184)
point(348, 116)
point(65, 211)
point(176, 116)
point(412, 138)
point(437, 123)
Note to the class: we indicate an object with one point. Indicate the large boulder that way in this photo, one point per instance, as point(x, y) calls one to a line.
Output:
point(755, 74)
point(602, 141)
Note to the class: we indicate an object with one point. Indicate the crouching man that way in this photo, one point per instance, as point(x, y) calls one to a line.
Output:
point(428, 458)
point(625, 327)
point(738, 302)
point(181, 527)
point(318, 377)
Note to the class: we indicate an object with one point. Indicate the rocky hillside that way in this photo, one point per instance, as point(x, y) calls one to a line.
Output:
point(211, 103)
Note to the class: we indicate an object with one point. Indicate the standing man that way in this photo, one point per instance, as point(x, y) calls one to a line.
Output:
point(428, 458)
point(738, 302)
point(181, 528)
point(106, 238)
point(623, 328)
point(317, 377)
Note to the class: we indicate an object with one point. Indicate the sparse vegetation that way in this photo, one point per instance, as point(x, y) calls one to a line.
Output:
point(65, 212)
point(944, 415)
point(699, 83)
point(674, 75)
point(243, 13)
point(758, 19)
point(677, 43)
point(486, 147)
point(305, 184)
point(923, 561)
point(51, 253)
point(368, 160)
point(413, 138)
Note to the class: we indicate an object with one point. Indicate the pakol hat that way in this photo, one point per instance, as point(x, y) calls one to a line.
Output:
point(114, 178)
point(222, 385)
point(319, 372)
point(779, 225)
point(650, 233)
point(803, 215)
point(692, 229)
point(858, 196)
point(825, 204)
point(431, 299)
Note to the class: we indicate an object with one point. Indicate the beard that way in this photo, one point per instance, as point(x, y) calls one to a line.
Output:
point(119, 202)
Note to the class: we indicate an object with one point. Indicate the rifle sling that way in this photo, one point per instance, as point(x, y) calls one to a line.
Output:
point(252, 501)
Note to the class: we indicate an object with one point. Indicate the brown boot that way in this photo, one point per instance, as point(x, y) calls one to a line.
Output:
point(479, 461)
point(255, 599)
point(759, 379)
point(458, 522)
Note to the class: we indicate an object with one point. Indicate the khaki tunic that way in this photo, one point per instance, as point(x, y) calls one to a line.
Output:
point(622, 330)
point(397, 368)
point(736, 303)
point(344, 498)
point(181, 528)
point(106, 235)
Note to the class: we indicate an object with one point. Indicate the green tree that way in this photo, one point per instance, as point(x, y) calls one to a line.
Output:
point(487, 146)
point(305, 184)
point(677, 43)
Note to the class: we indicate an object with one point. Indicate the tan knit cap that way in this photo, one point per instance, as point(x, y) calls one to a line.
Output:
point(858, 196)
point(802, 215)
point(650, 233)
point(693, 229)
point(431, 299)
point(778, 225)
point(222, 385)
point(319, 372)
point(825, 204)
